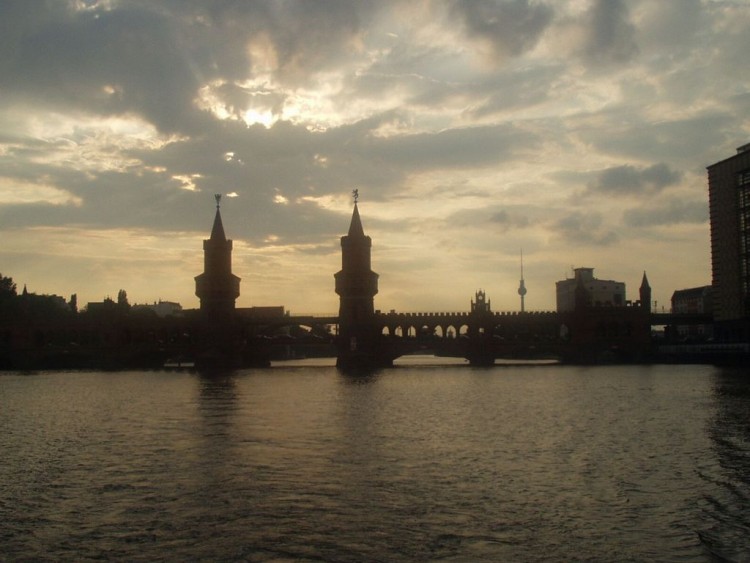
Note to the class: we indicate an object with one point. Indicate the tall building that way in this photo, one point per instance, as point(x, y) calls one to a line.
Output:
point(729, 209)
point(217, 287)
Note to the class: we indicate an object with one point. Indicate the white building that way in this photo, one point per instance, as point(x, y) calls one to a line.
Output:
point(601, 293)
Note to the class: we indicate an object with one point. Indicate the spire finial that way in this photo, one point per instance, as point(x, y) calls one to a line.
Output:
point(218, 199)
point(355, 195)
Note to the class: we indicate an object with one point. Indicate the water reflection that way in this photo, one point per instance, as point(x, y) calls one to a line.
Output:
point(727, 520)
point(409, 464)
point(217, 405)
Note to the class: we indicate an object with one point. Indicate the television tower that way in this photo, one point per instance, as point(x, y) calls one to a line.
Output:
point(522, 286)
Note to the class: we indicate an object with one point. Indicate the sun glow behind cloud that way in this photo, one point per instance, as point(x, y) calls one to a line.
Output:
point(317, 106)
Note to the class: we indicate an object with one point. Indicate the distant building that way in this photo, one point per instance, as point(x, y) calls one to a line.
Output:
point(729, 209)
point(162, 308)
point(695, 300)
point(599, 293)
point(101, 307)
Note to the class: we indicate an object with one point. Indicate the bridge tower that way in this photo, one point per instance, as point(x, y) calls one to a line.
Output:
point(357, 285)
point(217, 287)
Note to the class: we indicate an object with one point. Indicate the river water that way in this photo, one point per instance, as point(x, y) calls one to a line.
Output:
point(416, 463)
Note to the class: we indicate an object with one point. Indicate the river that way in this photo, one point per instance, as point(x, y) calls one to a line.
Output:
point(421, 462)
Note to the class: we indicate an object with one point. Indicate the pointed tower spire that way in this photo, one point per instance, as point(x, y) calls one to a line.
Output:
point(217, 232)
point(355, 227)
point(645, 292)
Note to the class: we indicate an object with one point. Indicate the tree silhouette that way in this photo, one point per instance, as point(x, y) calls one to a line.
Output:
point(122, 300)
point(7, 287)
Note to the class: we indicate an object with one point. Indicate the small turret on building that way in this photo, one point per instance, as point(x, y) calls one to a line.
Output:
point(480, 304)
point(217, 287)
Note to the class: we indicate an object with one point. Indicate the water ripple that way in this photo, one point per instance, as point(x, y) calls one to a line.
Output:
point(429, 464)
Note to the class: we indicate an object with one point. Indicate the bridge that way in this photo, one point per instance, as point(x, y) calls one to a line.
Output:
point(371, 338)
point(363, 337)
point(359, 335)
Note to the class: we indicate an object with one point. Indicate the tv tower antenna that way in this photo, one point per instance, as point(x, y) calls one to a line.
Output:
point(522, 287)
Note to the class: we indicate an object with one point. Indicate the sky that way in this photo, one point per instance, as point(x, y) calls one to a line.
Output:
point(575, 132)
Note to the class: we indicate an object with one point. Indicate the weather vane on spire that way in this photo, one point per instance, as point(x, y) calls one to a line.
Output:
point(218, 199)
point(355, 194)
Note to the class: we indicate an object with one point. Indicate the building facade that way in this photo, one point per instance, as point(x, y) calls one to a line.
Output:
point(729, 210)
point(693, 301)
point(604, 293)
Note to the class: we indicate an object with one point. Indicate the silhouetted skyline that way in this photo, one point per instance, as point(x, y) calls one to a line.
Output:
point(578, 131)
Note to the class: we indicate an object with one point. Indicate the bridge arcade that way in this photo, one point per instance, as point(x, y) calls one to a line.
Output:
point(370, 338)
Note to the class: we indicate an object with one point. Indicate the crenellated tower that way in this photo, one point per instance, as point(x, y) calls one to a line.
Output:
point(217, 287)
point(356, 285)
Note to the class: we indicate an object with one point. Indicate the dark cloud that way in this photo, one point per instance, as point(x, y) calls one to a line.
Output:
point(454, 148)
point(493, 217)
point(684, 142)
point(507, 220)
point(104, 62)
point(628, 179)
point(669, 213)
point(514, 89)
point(610, 35)
point(584, 229)
point(305, 37)
point(510, 27)
point(672, 26)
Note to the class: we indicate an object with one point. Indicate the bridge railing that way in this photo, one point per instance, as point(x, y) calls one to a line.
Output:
point(461, 314)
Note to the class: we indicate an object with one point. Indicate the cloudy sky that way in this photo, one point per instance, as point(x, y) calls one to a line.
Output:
point(578, 131)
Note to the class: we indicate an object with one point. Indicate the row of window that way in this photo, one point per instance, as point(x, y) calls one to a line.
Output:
point(743, 182)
